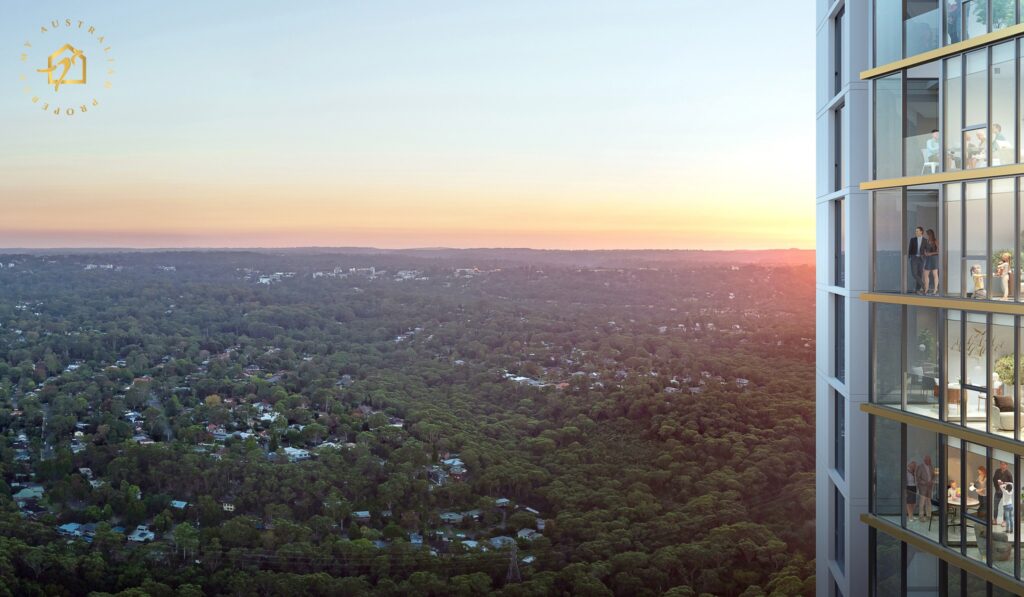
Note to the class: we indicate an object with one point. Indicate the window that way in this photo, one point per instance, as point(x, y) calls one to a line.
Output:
point(922, 574)
point(921, 144)
point(839, 433)
point(1001, 470)
point(840, 337)
point(922, 358)
point(976, 259)
point(954, 368)
point(838, 154)
point(954, 581)
point(975, 405)
point(954, 113)
point(1015, 275)
point(921, 469)
point(888, 126)
point(1003, 14)
point(1003, 77)
point(888, 475)
point(1001, 261)
point(837, 56)
point(1002, 380)
point(888, 249)
point(839, 539)
point(921, 27)
point(887, 363)
point(888, 31)
point(975, 15)
point(953, 237)
point(887, 563)
point(975, 131)
point(954, 23)
point(1020, 99)
point(840, 242)
point(969, 497)
point(922, 212)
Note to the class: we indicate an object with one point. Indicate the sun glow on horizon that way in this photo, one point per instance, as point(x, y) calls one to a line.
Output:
point(492, 133)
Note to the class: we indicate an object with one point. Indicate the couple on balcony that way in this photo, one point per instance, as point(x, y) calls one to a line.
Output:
point(924, 261)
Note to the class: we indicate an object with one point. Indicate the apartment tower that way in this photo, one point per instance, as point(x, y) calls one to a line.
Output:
point(920, 184)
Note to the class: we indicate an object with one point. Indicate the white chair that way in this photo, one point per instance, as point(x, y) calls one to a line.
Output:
point(925, 154)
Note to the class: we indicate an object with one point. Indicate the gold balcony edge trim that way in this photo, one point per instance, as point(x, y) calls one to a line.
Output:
point(972, 567)
point(944, 428)
point(940, 177)
point(944, 51)
point(956, 304)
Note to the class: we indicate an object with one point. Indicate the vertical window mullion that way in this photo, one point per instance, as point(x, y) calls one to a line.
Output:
point(963, 488)
point(988, 499)
point(1016, 379)
point(1016, 517)
point(903, 486)
point(963, 370)
point(903, 360)
point(963, 245)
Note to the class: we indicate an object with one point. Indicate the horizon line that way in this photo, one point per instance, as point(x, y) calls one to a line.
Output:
point(350, 247)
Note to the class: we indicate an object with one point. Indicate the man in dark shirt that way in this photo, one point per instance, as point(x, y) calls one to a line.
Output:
point(1003, 475)
point(915, 250)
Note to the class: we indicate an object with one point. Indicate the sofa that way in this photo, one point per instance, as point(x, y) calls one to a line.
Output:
point(1000, 419)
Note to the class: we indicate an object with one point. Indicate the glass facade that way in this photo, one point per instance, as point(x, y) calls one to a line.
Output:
point(968, 246)
point(839, 216)
point(839, 433)
point(840, 338)
point(958, 113)
point(946, 319)
point(958, 367)
point(958, 495)
point(905, 28)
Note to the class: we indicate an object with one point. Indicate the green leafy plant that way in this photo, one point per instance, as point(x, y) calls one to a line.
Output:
point(1002, 13)
point(1004, 369)
point(926, 338)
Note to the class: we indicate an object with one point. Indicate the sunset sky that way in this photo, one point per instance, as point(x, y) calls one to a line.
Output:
point(527, 123)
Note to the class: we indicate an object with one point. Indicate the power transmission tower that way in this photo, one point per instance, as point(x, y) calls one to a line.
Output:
point(513, 566)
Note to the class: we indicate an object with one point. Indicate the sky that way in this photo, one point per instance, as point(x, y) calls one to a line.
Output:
point(563, 124)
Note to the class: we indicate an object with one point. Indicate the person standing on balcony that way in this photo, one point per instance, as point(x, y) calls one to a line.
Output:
point(931, 262)
point(1001, 476)
point(916, 252)
point(924, 478)
point(911, 489)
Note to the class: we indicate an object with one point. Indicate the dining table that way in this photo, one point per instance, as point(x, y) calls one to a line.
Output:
point(958, 502)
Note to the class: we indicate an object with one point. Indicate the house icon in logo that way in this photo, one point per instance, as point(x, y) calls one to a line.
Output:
point(63, 60)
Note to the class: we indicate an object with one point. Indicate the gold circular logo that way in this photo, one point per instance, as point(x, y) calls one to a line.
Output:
point(66, 67)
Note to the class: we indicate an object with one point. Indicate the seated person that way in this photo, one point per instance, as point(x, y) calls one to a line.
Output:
point(999, 140)
point(932, 147)
point(953, 158)
point(953, 493)
point(977, 147)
